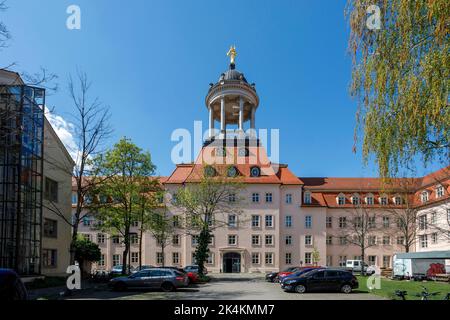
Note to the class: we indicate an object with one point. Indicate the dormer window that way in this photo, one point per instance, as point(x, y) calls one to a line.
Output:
point(255, 172)
point(340, 199)
point(439, 191)
point(384, 200)
point(398, 200)
point(424, 196)
point(369, 199)
point(307, 197)
point(355, 199)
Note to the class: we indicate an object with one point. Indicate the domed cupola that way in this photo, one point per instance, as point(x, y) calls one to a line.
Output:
point(231, 101)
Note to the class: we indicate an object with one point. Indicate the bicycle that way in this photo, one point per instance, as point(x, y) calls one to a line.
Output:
point(424, 294)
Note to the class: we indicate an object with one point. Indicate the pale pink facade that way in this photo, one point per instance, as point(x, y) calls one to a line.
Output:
point(297, 215)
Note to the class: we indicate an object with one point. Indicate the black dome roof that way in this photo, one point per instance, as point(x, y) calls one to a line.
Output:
point(232, 74)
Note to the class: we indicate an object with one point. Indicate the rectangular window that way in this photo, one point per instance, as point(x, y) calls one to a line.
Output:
point(86, 236)
point(423, 240)
point(255, 240)
point(288, 240)
point(369, 200)
point(288, 221)
point(307, 198)
point(134, 257)
point(398, 201)
point(232, 240)
point(434, 238)
point(115, 239)
point(342, 222)
point(100, 238)
point(176, 221)
point(308, 240)
point(135, 224)
point(372, 222)
point(74, 198)
point(400, 240)
point(386, 240)
point(194, 259)
point(269, 240)
point(433, 219)
point(383, 201)
point(210, 258)
point(87, 221)
point(49, 258)
point(386, 222)
point(134, 239)
point(288, 258)
point(372, 240)
point(159, 258)
point(101, 262)
point(211, 240)
point(343, 241)
point(269, 258)
point(329, 222)
point(255, 197)
point(288, 198)
point(51, 190)
point(424, 196)
point(50, 228)
point(269, 197)
point(175, 258)
point(329, 240)
point(116, 259)
point(176, 239)
point(308, 222)
point(194, 240)
point(255, 221)
point(232, 197)
point(232, 221)
point(341, 200)
point(269, 221)
point(372, 260)
point(423, 223)
point(329, 261)
point(439, 192)
point(386, 261)
point(308, 257)
point(255, 258)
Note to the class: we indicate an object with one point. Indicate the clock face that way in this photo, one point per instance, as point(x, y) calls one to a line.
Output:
point(243, 152)
point(255, 172)
point(232, 172)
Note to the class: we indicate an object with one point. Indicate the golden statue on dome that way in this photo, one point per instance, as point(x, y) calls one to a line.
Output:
point(232, 54)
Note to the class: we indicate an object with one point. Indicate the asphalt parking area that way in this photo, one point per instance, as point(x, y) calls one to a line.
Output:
point(236, 287)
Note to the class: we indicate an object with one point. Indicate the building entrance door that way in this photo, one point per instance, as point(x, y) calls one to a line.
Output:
point(231, 262)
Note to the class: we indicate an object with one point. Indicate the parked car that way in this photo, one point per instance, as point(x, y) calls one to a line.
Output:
point(195, 268)
point(286, 272)
point(155, 278)
point(117, 270)
point(322, 280)
point(298, 273)
point(355, 265)
point(192, 277)
point(143, 267)
point(11, 287)
point(272, 276)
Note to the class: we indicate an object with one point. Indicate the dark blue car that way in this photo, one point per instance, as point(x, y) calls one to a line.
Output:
point(297, 274)
point(11, 287)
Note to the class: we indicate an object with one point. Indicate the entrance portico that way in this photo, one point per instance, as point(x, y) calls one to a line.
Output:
point(232, 260)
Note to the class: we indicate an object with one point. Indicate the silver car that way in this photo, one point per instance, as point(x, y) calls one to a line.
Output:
point(156, 278)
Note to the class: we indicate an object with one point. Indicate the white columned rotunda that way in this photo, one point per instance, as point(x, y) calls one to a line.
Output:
point(232, 101)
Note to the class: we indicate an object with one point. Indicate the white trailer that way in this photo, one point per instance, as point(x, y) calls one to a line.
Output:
point(421, 265)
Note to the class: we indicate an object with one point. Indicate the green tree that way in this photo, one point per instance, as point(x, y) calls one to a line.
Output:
point(206, 205)
point(315, 256)
point(119, 197)
point(85, 251)
point(400, 78)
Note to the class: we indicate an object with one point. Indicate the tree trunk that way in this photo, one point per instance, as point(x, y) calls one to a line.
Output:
point(163, 255)
point(125, 253)
point(363, 252)
point(140, 246)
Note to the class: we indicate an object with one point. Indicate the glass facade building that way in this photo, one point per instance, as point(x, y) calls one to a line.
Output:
point(21, 178)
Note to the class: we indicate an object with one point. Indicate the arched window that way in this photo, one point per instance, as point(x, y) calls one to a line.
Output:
point(340, 199)
point(369, 199)
point(356, 199)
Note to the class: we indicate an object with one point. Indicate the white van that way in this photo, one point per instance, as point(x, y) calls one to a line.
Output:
point(355, 265)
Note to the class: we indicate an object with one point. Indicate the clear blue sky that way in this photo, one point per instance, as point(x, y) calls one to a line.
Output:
point(152, 61)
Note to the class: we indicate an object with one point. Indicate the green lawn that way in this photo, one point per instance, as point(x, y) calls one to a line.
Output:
point(388, 288)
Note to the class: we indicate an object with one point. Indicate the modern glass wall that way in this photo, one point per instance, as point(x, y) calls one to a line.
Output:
point(21, 180)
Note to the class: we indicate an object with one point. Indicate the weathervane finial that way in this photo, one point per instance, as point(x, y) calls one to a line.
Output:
point(232, 54)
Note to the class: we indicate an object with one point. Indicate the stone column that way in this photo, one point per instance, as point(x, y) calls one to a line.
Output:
point(252, 119)
point(211, 121)
point(222, 114)
point(241, 114)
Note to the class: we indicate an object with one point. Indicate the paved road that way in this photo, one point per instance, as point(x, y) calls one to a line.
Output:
point(223, 287)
